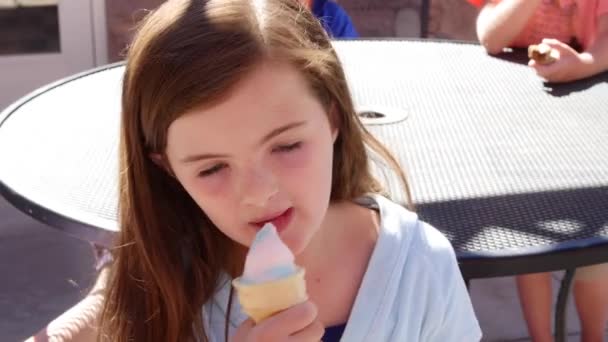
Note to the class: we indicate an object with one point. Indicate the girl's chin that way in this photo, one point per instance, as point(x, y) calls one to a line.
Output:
point(289, 242)
point(297, 244)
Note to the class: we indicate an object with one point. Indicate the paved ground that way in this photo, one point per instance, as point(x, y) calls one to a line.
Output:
point(44, 272)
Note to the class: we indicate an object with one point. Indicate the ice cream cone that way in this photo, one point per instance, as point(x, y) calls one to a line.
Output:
point(259, 301)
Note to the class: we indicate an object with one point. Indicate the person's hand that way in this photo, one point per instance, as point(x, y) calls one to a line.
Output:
point(296, 324)
point(569, 66)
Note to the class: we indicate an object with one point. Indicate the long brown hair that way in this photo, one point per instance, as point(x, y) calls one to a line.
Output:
point(189, 53)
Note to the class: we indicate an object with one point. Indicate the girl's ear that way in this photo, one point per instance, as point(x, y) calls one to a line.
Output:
point(161, 162)
point(334, 134)
point(334, 122)
point(157, 159)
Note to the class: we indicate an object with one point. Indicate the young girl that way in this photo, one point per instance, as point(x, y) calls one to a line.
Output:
point(565, 25)
point(236, 113)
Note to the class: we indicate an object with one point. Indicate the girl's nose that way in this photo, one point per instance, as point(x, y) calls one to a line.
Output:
point(258, 187)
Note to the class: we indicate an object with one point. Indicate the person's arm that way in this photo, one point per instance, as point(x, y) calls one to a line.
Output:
point(79, 323)
point(597, 54)
point(498, 24)
point(572, 65)
point(346, 28)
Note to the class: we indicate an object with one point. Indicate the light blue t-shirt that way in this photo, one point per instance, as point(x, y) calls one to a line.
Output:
point(412, 289)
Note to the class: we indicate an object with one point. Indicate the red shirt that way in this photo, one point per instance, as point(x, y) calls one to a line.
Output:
point(562, 20)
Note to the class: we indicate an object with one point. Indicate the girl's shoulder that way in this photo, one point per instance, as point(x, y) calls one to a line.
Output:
point(408, 248)
point(403, 226)
point(413, 273)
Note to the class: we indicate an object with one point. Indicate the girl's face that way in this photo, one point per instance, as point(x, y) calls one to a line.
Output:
point(264, 154)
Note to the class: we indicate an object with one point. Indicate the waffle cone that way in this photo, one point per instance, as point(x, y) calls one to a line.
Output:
point(259, 301)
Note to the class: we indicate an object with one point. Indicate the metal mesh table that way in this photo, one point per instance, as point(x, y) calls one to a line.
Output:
point(512, 170)
point(59, 154)
point(506, 166)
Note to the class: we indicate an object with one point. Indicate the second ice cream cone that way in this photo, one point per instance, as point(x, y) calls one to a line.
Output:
point(259, 301)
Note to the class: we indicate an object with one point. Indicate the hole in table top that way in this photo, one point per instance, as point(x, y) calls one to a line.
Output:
point(381, 115)
point(371, 115)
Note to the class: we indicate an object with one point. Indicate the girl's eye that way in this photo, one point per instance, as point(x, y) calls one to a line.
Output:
point(210, 171)
point(288, 148)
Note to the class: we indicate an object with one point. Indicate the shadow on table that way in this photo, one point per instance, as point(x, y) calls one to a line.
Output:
point(520, 56)
point(498, 226)
point(564, 89)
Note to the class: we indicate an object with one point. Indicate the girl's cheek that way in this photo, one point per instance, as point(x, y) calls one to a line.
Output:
point(214, 185)
point(296, 159)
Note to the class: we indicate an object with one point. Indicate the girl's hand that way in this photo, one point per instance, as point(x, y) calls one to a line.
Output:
point(569, 66)
point(296, 324)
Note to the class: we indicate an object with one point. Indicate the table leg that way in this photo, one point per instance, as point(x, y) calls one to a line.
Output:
point(425, 18)
point(560, 307)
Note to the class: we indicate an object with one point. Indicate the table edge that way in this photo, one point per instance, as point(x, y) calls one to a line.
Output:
point(6, 112)
point(53, 219)
point(547, 258)
point(73, 227)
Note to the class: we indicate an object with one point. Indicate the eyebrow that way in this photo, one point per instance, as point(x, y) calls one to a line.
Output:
point(275, 132)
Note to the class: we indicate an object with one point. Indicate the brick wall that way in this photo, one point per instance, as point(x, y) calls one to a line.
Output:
point(121, 18)
point(451, 19)
point(385, 18)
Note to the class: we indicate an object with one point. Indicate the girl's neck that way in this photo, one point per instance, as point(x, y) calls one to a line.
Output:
point(338, 257)
point(344, 222)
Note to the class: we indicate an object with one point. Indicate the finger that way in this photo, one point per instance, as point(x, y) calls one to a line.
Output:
point(544, 72)
point(313, 332)
point(549, 76)
point(289, 321)
point(243, 330)
point(556, 44)
point(248, 324)
point(552, 41)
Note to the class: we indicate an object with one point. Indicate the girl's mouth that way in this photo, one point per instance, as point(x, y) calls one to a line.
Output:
point(280, 221)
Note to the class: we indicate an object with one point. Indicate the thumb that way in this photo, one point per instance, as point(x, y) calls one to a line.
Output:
point(247, 324)
point(243, 331)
